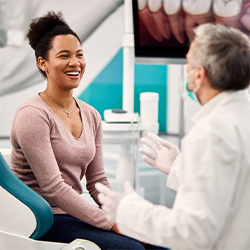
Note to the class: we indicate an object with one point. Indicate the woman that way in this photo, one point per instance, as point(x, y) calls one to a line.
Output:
point(57, 139)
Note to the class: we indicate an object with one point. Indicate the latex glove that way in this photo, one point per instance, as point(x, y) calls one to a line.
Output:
point(161, 154)
point(110, 199)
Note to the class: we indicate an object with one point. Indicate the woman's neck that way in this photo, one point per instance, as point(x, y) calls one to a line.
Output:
point(60, 97)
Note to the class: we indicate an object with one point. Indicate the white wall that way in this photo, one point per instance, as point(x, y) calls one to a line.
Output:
point(93, 21)
point(174, 98)
point(9, 104)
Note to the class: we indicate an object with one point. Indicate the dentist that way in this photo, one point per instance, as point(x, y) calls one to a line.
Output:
point(213, 174)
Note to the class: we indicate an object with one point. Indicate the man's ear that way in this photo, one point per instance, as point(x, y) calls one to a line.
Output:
point(201, 74)
point(42, 64)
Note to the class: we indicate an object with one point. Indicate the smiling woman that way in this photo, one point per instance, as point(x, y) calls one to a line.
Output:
point(57, 140)
point(65, 64)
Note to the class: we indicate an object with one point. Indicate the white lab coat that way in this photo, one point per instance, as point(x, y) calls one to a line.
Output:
point(212, 205)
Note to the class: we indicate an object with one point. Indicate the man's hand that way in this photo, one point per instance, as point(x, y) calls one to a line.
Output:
point(110, 199)
point(161, 154)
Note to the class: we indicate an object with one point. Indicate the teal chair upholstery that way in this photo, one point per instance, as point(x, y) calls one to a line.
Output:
point(40, 208)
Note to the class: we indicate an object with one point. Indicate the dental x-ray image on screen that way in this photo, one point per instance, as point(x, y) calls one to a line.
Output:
point(164, 28)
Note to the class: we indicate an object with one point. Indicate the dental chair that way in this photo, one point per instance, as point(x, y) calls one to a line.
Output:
point(25, 216)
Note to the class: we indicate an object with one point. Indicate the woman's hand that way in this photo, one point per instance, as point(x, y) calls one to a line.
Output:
point(115, 229)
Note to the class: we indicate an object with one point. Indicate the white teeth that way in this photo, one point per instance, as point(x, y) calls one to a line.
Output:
point(227, 8)
point(154, 5)
point(142, 4)
point(171, 7)
point(73, 73)
point(196, 7)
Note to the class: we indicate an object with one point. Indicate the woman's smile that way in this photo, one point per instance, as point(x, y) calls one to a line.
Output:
point(66, 64)
point(73, 74)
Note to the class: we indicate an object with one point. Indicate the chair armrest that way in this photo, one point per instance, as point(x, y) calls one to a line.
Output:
point(79, 244)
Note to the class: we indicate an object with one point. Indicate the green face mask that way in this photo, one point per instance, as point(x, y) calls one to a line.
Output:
point(189, 93)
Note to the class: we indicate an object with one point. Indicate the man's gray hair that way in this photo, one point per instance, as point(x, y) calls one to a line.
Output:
point(225, 54)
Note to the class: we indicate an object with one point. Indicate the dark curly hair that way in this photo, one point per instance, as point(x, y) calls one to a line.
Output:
point(42, 31)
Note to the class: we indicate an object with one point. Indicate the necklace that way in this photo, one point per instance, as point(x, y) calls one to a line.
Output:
point(67, 112)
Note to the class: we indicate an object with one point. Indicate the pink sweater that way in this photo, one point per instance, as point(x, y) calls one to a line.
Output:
point(49, 159)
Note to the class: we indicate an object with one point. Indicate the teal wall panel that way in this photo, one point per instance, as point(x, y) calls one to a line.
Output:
point(105, 92)
point(152, 78)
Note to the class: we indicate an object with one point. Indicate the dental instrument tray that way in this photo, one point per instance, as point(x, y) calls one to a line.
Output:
point(120, 116)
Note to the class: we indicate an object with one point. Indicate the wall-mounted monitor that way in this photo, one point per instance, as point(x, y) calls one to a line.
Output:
point(163, 29)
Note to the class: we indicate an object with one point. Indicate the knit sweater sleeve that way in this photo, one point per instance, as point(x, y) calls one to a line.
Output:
point(95, 172)
point(31, 137)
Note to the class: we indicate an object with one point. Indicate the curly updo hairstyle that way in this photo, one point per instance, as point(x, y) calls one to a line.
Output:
point(42, 31)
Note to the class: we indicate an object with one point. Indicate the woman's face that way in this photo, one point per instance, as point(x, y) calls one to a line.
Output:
point(66, 63)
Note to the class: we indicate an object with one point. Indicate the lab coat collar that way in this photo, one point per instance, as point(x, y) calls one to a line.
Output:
point(219, 100)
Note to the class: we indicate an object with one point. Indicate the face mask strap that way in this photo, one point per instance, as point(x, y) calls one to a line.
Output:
point(191, 94)
point(196, 88)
